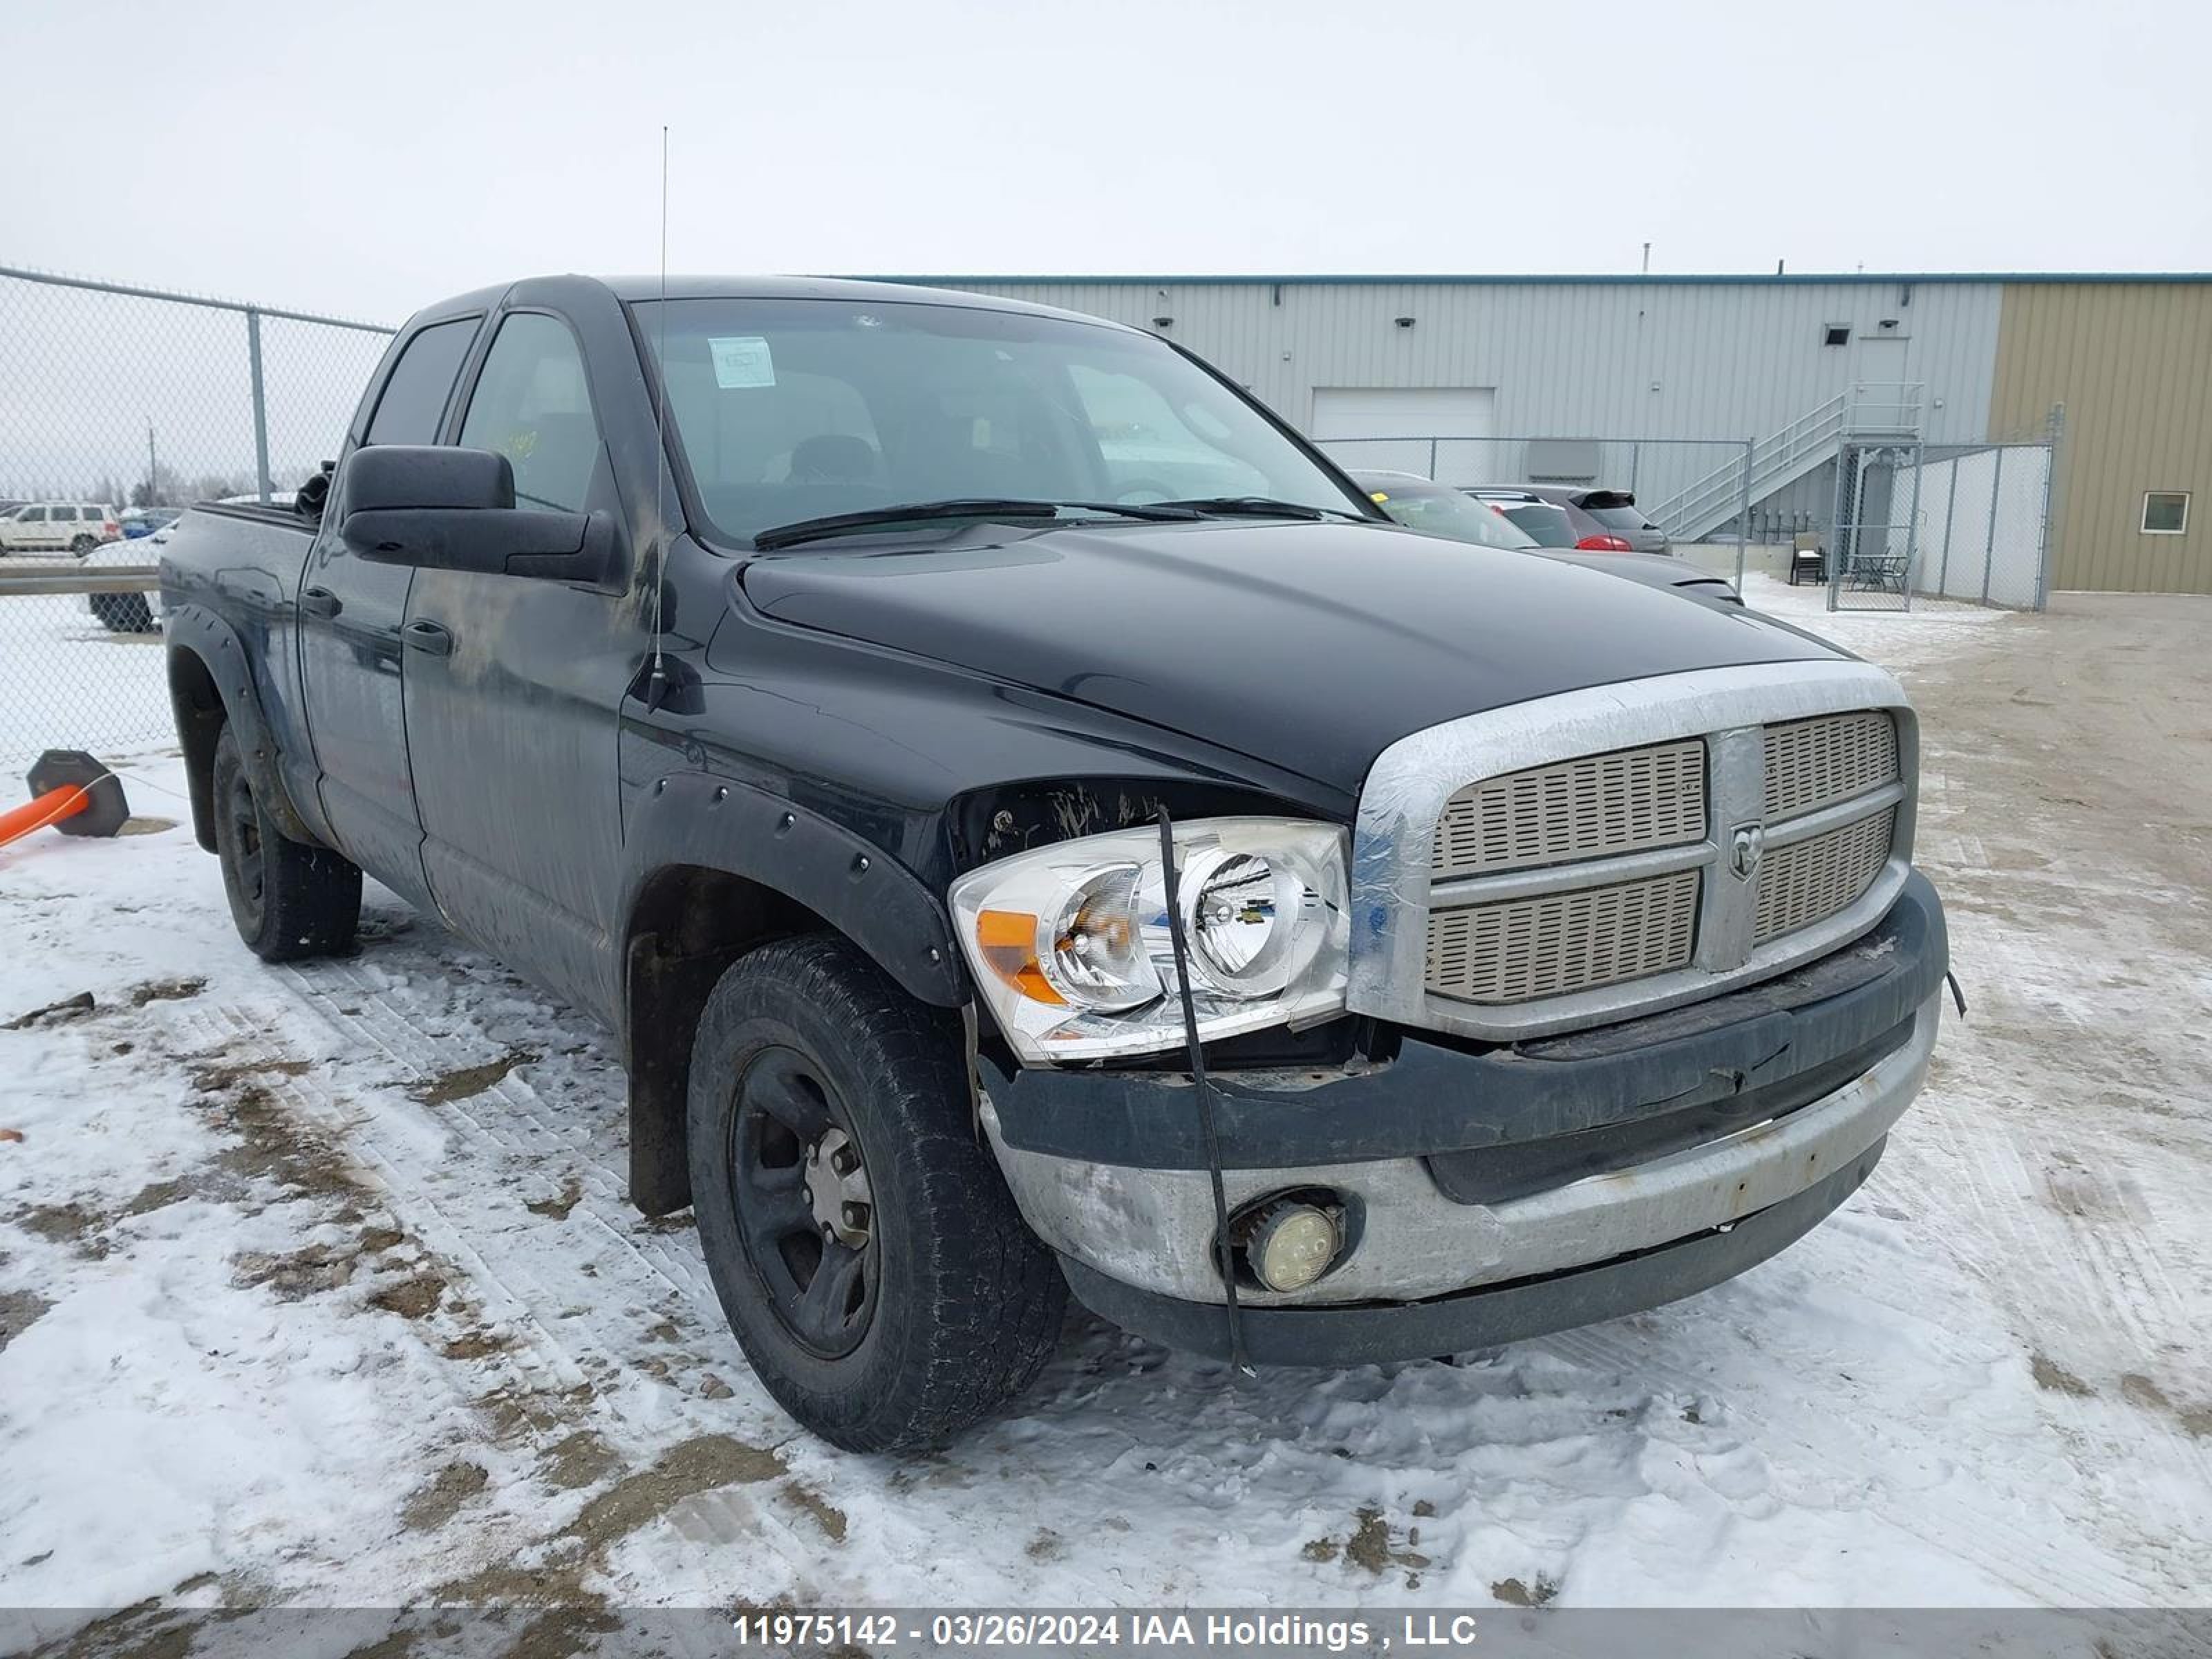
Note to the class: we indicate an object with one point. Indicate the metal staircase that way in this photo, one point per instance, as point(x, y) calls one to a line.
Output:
point(1869, 411)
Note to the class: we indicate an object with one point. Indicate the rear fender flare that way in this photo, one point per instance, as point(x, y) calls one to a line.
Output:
point(193, 631)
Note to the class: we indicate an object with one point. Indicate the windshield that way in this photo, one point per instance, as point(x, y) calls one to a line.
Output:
point(788, 411)
point(1437, 510)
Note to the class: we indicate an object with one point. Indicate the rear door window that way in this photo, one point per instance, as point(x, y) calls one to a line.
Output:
point(413, 403)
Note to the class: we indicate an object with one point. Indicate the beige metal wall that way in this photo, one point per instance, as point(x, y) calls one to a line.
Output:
point(2132, 363)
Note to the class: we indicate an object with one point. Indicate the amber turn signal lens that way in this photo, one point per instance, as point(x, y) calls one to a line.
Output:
point(1006, 939)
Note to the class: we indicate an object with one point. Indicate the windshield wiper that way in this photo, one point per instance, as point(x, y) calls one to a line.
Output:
point(807, 530)
point(1258, 506)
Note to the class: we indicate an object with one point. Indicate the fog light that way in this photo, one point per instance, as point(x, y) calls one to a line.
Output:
point(1291, 1246)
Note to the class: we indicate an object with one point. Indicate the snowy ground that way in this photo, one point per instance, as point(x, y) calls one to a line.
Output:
point(318, 1285)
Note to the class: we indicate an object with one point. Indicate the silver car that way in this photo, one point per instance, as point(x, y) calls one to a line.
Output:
point(1598, 520)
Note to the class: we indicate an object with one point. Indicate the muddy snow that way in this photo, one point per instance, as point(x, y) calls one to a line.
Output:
point(317, 1284)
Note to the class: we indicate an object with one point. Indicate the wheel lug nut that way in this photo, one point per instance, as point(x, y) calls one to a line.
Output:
point(854, 1215)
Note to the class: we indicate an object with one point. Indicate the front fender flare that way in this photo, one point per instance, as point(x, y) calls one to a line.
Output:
point(692, 821)
point(718, 823)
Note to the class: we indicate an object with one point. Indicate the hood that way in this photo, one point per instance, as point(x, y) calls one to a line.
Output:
point(1309, 646)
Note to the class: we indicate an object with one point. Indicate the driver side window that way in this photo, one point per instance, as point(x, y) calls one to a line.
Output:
point(533, 404)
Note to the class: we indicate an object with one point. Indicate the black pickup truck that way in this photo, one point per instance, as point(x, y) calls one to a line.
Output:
point(1034, 825)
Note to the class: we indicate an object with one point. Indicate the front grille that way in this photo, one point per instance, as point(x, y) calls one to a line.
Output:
point(1810, 763)
point(1588, 807)
point(1553, 943)
point(1811, 880)
point(1507, 884)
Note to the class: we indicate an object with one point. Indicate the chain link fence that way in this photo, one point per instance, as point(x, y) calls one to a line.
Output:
point(118, 407)
point(1928, 527)
point(1693, 489)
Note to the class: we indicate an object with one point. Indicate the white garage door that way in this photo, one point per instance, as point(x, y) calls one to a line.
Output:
point(1388, 428)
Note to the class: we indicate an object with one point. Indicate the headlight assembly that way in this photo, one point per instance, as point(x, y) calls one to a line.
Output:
point(1071, 947)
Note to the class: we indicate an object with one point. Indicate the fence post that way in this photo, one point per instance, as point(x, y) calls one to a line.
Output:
point(260, 403)
point(1950, 523)
point(1743, 514)
point(1912, 525)
point(1989, 542)
point(1837, 550)
point(2055, 429)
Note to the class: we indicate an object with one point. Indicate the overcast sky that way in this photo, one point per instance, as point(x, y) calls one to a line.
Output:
point(364, 159)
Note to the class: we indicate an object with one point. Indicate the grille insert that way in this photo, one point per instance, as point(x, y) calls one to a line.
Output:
point(1592, 806)
point(1555, 944)
point(1811, 880)
point(1810, 763)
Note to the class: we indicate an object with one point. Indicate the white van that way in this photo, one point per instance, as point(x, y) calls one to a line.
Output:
point(59, 527)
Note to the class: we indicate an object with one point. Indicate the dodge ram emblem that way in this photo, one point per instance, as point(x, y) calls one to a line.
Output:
point(1749, 846)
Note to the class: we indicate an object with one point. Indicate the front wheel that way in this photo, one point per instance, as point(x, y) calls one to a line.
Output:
point(289, 901)
point(861, 1240)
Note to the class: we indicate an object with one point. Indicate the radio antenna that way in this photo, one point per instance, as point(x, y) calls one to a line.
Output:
point(660, 432)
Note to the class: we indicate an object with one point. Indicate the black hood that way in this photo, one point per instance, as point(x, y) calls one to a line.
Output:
point(1309, 646)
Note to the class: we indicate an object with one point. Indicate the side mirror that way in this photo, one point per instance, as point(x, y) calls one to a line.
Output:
point(437, 508)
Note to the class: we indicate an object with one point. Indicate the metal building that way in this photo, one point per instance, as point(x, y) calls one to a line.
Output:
point(1611, 378)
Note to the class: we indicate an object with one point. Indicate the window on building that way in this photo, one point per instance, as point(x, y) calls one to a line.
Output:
point(2166, 513)
point(1836, 334)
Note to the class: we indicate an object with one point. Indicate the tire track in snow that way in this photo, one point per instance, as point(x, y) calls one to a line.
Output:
point(562, 1335)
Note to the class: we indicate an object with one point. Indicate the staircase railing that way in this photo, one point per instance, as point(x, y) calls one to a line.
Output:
point(1889, 408)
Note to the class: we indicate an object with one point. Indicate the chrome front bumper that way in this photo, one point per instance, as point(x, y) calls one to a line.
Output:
point(1153, 1229)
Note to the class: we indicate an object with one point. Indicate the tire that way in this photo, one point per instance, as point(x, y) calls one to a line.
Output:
point(951, 1305)
point(124, 613)
point(83, 544)
point(289, 901)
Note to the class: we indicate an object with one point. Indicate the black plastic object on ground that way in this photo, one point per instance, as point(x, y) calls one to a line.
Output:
point(105, 810)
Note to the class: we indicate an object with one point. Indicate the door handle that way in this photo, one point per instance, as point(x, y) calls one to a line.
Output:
point(320, 602)
point(423, 634)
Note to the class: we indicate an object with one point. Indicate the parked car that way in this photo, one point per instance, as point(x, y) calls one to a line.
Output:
point(1435, 509)
point(1601, 520)
point(58, 527)
point(141, 521)
point(1302, 946)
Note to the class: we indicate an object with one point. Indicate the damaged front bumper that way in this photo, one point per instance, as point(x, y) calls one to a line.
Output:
point(1491, 1194)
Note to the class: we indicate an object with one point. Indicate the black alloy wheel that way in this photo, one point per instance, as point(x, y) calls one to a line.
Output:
point(803, 1202)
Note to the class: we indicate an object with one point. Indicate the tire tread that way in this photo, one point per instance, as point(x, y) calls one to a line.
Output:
point(996, 1293)
point(310, 895)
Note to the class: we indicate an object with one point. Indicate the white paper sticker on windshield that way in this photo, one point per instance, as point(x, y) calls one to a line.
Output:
point(741, 360)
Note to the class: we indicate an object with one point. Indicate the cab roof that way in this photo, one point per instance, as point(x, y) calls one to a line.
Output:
point(632, 290)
